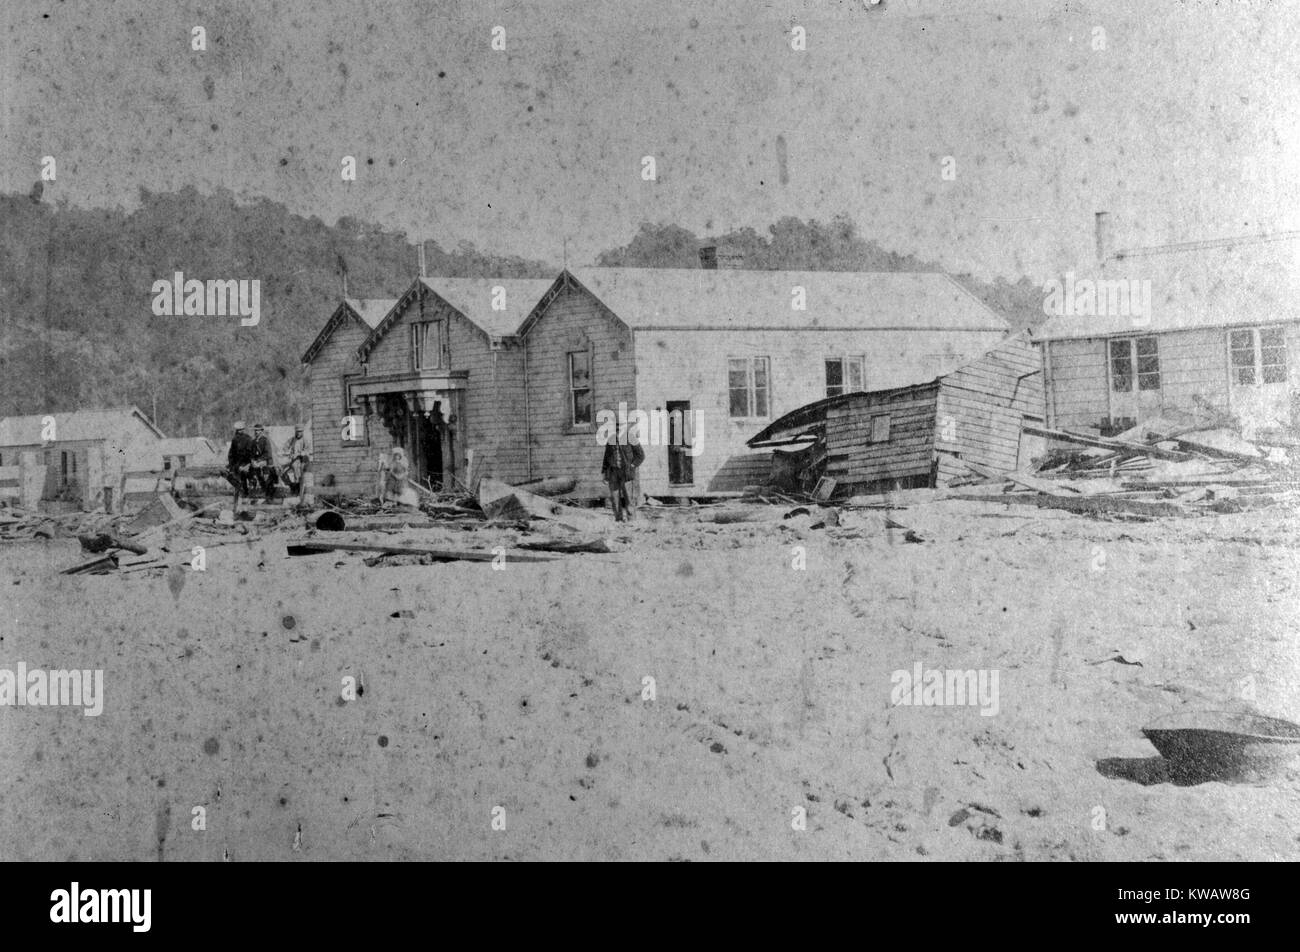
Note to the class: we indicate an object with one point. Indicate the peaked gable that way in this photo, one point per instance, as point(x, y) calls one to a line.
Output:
point(369, 312)
point(473, 299)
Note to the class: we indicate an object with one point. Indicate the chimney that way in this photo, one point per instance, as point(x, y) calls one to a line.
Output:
point(421, 253)
point(1102, 230)
point(709, 257)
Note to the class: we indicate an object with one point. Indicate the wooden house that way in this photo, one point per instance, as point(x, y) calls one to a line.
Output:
point(342, 466)
point(439, 372)
point(1222, 333)
point(919, 435)
point(519, 373)
point(84, 453)
point(719, 354)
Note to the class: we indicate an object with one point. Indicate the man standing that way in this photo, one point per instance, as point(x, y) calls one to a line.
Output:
point(618, 469)
point(239, 461)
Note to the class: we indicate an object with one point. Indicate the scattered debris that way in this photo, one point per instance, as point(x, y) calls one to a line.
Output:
point(502, 501)
point(1175, 466)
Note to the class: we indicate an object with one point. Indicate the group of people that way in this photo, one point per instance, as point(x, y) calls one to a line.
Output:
point(251, 462)
point(251, 466)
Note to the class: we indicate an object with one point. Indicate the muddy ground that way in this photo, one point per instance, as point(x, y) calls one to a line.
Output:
point(517, 694)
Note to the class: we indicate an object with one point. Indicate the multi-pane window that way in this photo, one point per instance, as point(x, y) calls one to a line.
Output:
point(426, 345)
point(580, 387)
point(843, 375)
point(1258, 355)
point(1134, 361)
point(748, 387)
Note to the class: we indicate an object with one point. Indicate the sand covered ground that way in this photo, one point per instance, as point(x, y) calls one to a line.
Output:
point(518, 694)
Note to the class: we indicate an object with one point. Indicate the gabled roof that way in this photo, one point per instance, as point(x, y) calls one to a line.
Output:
point(118, 424)
point(473, 299)
point(368, 311)
point(726, 299)
point(1208, 288)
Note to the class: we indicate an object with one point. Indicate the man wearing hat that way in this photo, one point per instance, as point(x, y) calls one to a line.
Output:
point(239, 460)
point(263, 461)
point(297, 453)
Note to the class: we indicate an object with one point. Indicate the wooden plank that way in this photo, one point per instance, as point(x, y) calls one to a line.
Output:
point(1104, 443)
point(1112, 503)
point(313, 548)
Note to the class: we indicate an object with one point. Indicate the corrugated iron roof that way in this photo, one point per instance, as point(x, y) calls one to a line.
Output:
point(474, 298)
point(686, 298)
point(117, 424)
point(1210, 288)
point(371, 310)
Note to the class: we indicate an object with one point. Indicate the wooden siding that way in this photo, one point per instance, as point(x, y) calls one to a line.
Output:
point(981, 408)
point(573, 322)
point(351, 466)
point(494, 418)
point(1079, 394)
point(852, 460)
point(1194, 365)
point(692, 365)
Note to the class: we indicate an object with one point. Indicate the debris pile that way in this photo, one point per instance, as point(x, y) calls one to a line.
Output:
point(1172, 465)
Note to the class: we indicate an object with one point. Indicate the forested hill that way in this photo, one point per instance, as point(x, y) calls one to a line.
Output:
point(77, 328)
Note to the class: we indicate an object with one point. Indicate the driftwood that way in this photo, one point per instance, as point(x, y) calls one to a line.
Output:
point(450, 555)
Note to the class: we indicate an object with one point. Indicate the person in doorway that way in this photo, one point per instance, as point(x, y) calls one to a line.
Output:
point(394, 476)
point(618, 469)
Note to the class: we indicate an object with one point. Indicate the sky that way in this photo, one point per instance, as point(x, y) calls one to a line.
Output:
point(1179, 117)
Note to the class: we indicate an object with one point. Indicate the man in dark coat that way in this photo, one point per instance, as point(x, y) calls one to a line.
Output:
point(618, 469)
point(239, 460)
point(263, 461)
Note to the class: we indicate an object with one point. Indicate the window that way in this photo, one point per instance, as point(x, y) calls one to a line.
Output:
point(352, 407)
point(880, 428)
point(843, 375)
point(1258, 355)
point(580, 387)
point(1134, 360)
point(428, 345)
point(748, 387)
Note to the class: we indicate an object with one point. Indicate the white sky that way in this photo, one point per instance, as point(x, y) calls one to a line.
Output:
point(1160, 128)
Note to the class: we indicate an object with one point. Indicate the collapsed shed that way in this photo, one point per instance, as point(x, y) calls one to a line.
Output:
point(918, 435)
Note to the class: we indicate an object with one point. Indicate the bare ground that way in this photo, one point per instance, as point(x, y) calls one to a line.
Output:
point(522, 689)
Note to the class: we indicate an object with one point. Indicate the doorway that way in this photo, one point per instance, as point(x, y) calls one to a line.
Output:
point(681, 470)
point(430, 443)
